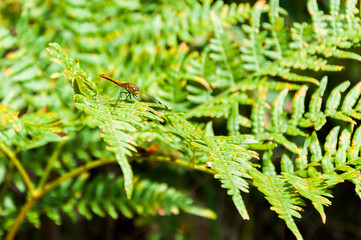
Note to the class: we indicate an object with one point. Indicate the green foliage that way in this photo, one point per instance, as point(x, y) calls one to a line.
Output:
point(106, 195)
point(266, 80)
point(119, 122)
point(30, 130)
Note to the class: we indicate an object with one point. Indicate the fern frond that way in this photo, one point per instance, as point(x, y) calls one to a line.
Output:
point(224, 52)
point(313, 189)
point(25, 70)
point(343, 157)
point(277, 56)
point(30, 130)
point(104, 195)
point(284, 201)
point(315, 117)
point(224, 155)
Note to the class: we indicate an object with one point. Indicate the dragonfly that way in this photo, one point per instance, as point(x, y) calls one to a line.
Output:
point(131, 91)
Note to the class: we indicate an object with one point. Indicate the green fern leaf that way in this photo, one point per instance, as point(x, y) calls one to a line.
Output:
point(258, 113)
point(354, 150)
point(284, 202)
point(351, 98)
point(224, 155)
point(277, 113)
point(344, 143)
point(30, 130)
point(220, 47)
point(287, 164)
point(312, 189)
point(267, 166)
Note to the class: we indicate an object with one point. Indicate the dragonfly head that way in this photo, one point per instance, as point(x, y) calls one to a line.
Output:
point(135, 90)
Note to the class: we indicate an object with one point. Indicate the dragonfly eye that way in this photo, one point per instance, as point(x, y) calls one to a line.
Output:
point(135, 90)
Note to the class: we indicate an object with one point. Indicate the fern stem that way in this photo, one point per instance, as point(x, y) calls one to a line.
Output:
point(20, 168)
point(77, 171)
point(20, 218)
point(202, 168)
point(50, 164)
point(277, 43)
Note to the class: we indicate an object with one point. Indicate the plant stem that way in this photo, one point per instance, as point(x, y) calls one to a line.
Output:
point(20, 218)
point(198, 167)
point(50, 164)
point(20, 168)
point(39, 193)
point(77, 171)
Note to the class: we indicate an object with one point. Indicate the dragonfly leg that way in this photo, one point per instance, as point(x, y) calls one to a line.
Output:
point(128, 96)
point(120, 96)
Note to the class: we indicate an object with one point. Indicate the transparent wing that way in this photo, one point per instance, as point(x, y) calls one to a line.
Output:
point(145, 97)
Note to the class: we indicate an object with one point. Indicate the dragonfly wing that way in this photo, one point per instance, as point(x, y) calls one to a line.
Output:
point(145, 97)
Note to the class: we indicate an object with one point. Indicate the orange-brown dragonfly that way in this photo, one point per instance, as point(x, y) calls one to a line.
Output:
point(131, 91)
